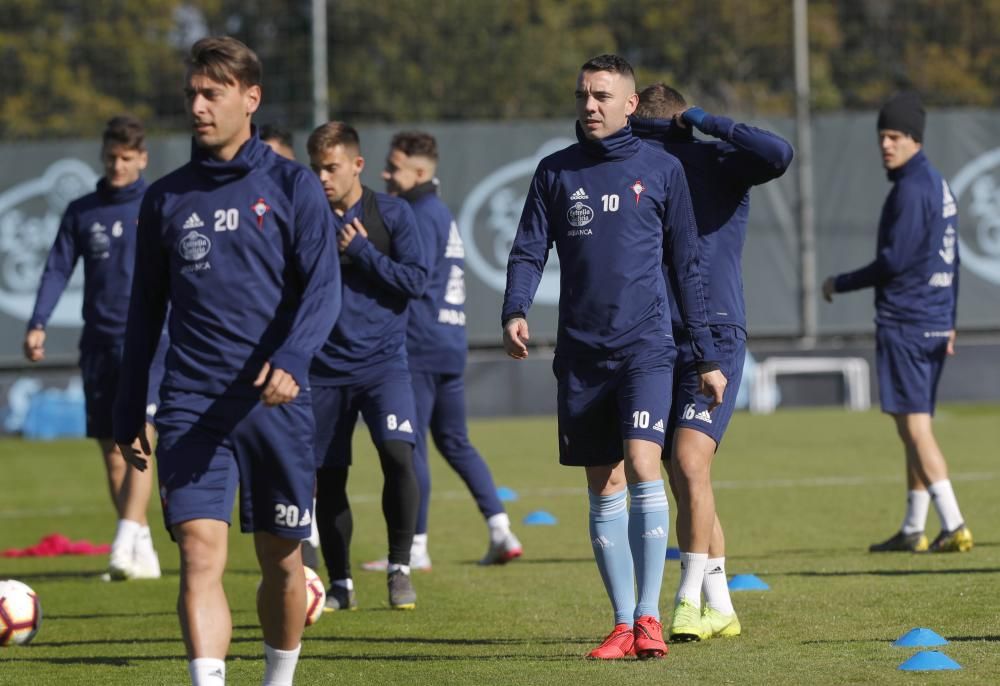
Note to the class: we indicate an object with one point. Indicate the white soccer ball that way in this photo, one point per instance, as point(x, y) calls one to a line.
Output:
point(315, 596)
point(20, 613)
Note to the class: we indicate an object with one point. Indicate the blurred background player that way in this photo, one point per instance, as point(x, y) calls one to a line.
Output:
point(362, 366)
point(235, 407)
point(436, 347)
point(915, 276)
point(280, 140)
point(720, 174)
point(613, 207)
point(101, 229)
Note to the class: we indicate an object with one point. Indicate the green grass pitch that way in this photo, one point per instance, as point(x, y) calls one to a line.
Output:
point(801, 495)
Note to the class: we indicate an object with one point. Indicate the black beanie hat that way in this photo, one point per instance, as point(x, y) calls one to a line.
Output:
point(904, 112)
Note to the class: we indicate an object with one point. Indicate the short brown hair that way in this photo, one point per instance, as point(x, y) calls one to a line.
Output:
point(126, 131)
point(415, 144)
point(226, 60)
point(332, 134)
point(660, 101)
point(610, 63)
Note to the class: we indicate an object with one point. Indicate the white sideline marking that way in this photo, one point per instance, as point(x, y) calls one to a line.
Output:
point(809, 482)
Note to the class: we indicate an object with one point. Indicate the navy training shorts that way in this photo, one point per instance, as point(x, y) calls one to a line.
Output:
point(209, 445)
point(690, 408)
point(385, 401)
point(605, 401)
point(909, 360)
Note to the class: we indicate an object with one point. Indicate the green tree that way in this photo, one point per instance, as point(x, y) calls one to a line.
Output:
point(69, 66)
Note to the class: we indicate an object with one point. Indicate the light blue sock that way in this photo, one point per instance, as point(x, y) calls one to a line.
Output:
point(609, 534)
point(648, 525)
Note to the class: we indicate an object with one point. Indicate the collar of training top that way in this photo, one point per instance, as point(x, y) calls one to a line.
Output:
point(119, 196)
point(618, 146)
point(250, 156)
point(419, 191)
point(912, 165)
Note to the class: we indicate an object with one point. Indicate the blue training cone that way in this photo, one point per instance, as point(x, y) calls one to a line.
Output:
point(747, 582)
point(929, 660)
point(673, 553)
point(540, 518)
point(919, 638)
point(506, 494)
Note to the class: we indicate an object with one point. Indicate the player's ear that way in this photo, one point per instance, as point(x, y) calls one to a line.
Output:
point(143, 159)
point(252, 97)
point(631, 103)
point(359, 165)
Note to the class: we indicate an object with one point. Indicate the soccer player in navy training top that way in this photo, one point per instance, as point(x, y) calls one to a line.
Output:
point(362, 366)
point(240, 243)
point(720, 174)
point(100, 228)
point(612, 205)
point(915, 276)
point(436, 346)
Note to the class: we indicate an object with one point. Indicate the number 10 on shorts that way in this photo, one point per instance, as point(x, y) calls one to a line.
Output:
point(640, 419)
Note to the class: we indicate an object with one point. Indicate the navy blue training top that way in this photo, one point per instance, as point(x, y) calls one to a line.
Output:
point(100, 227)
point(612, 208)
point(436, 340)
point(915, 271)
point(720, 174)
point(245, 253)
point(377, 288)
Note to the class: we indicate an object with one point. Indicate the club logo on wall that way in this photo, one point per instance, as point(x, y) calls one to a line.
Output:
point(488, 221)
point(29, 220)
point(976, 188)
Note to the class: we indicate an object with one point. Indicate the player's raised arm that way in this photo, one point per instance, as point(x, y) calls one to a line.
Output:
point(760, 156)
point(406, 271)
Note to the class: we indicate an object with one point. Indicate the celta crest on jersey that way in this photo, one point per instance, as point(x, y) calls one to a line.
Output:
point(637, 188)
point(260, 208)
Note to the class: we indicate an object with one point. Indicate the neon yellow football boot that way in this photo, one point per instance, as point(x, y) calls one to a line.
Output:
point(714, 624)
point(957, 541)
point(686, 623)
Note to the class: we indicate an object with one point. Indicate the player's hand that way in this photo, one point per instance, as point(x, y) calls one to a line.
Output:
point(138, 452)
point(829, 289)
point(713, 385)
point(692, 116)
point(952, 335)
point(349, 231)
point(515, 338)
point(279, 386)
point(34, 345)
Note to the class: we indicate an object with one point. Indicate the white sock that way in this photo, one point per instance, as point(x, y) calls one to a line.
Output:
point(279, 665)
point(499, 525)
point(207, 671)
point(692, 576)
point(419, 546)
point(393, 567)
point(917, 504)
point(144, 541)
point(126, 534)
point(716, 586)
point(946, 505)
point(344, 583)
point(314, 531)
